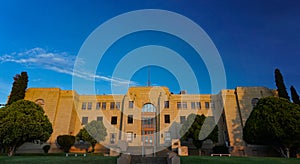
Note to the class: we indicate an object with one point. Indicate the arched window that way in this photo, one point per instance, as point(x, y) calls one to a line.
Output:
point(254, 101)
point(148, 108)
point(40, 102)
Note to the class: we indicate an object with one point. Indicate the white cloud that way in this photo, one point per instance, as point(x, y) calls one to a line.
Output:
point(60, 62)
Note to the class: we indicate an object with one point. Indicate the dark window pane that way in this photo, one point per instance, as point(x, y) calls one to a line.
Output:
point(103, 105)
point(193, 105)
point(83, 107)
point(130, 104)
point(206, 105)
point(182, 119)
point(84, 120)
point(113, 137)
point(100, 118)
point(184, 105)
point(198, 105)
point(112, 105)
point(114, 120)
point(98, 104)
point(167, 118)
point(254, 101)
point(89, 105)
point(167, 103)
point(179, 105)
point(130, 119)
point(117, 105)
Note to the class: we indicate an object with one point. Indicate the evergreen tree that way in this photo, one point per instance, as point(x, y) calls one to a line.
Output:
point(274, 121)
point(280, 85)
point(295, 96)
point(19, 88)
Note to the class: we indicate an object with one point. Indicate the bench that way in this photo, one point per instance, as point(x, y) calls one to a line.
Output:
point(229, 155)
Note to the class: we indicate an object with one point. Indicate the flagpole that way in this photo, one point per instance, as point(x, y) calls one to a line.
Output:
point(149, 76)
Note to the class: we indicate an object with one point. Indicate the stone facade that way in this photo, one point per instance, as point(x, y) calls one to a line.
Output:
point(148, 116)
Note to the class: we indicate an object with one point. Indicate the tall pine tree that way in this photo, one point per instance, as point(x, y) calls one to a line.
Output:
point(281, 89)
point(19, 88)
point(295, 96)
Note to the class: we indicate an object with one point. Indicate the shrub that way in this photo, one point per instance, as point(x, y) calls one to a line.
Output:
point(65, 142)
point(46, 148)
point(220, 150)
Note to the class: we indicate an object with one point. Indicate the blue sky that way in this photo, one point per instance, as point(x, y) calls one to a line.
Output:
point(252, 37)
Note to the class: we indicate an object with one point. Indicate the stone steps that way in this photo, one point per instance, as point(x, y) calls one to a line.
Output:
point(148, 160)
point(30, 147)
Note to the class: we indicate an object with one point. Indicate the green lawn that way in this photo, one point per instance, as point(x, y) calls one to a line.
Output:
point(57, 159)
point(236, 160)
point(44, 159)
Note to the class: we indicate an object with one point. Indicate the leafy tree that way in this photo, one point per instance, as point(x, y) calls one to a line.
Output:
point(193, 128)
point(295, 96)
point(19, 88)
point(23, 121)
point(65, 142)
point(274, 121)
point(93, 133)
point(280, 85)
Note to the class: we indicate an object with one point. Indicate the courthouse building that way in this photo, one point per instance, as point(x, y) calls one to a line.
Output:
point(149, 116)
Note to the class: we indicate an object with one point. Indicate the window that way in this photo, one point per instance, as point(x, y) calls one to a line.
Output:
point(182, 119)
point(113, 137)
point(40, 102)
point(212, 105)
point(198, 105)
point(148, 108)
point(148, 122)
point(167, 118)
point(150, 139)
point(129, 136)
point(167, 136)
point(100, 118)
point(179, 106)
point(112, 105)
point(103, 105)
point(130, 119)
point(89, 105)
point(206, 105)
point(114, 120)
point(84, 120)
point(184, 105)
point(167, 104)
point(130, 104)
point(83, 106)
point(193, 105)
point(117, 105)
point(254, 101)
point(98, 104)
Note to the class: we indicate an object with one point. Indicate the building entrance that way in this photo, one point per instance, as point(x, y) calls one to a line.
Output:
point(148, 124)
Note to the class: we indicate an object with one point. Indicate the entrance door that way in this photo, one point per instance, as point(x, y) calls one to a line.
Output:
point(148, 124)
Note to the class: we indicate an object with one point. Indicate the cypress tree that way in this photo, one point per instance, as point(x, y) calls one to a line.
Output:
point(19, 88)
point(281, 89)
point(295, 96)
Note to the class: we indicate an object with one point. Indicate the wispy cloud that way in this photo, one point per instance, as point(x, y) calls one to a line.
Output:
point(60, 62)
